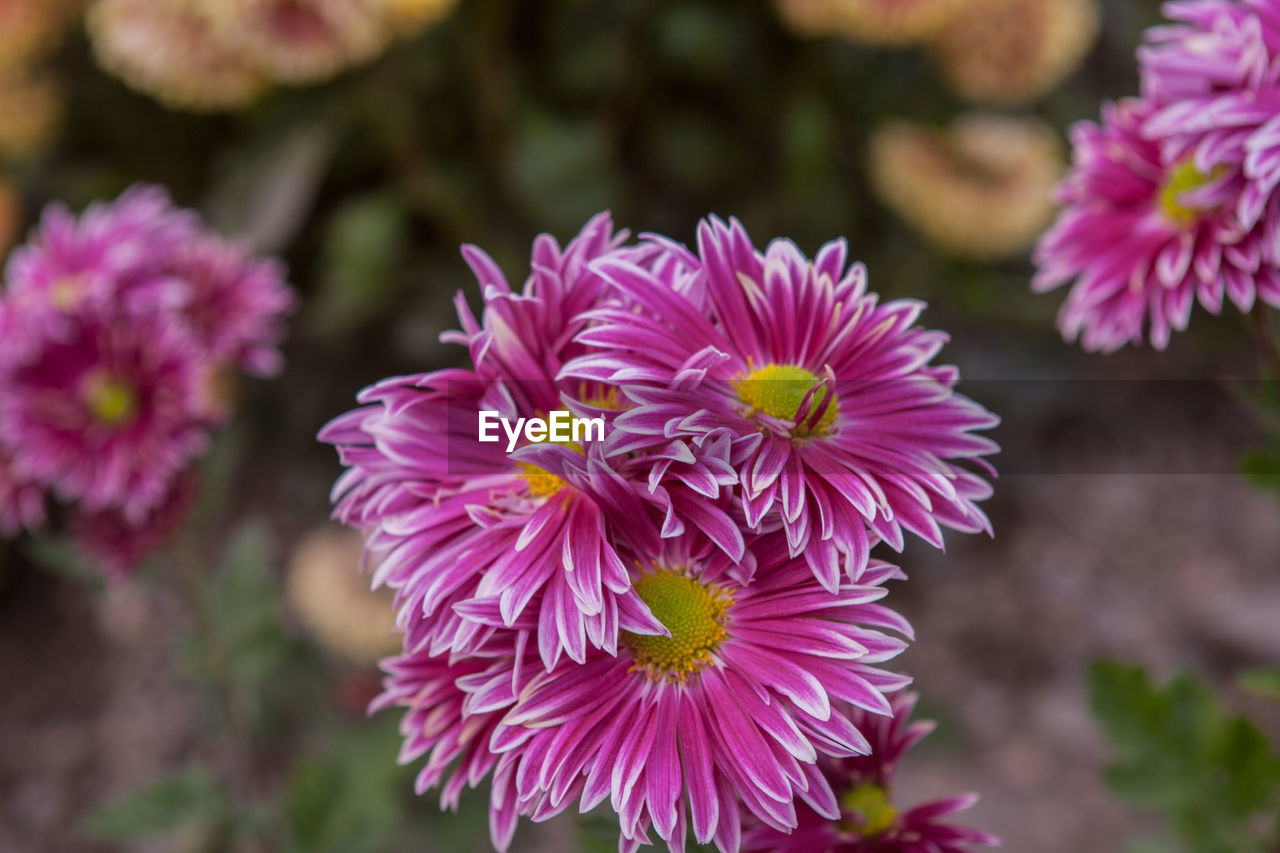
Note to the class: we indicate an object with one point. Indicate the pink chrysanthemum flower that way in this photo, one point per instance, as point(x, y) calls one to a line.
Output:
point(1215, 79)
point(233, 305)
point(733, 708)
point(98, 258)
point(843, 432)
point(461, 529)
point(140, 254)
point(104, 414)
point(1143, 238)
point(868, 821)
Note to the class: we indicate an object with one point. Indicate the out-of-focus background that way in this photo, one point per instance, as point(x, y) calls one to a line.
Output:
point(132, 720)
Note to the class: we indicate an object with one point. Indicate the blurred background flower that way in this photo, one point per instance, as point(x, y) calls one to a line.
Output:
point(873, 21)
point(981, 188)
point(1013, 51)
point(335, 603)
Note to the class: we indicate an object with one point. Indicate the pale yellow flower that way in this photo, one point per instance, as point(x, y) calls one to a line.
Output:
point(875, 21)
point(1012, 51)
point(330, 596)
point(169, 50)
point(982, 188)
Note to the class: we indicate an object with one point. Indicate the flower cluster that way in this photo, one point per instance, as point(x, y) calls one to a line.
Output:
point(221, 56)
point(121, 332)
point(1172, 197)
point(683, 617)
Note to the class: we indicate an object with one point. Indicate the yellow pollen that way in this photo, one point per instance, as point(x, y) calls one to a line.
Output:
point(779, 389)
point(1182, 180)
point(65, 293)
point(692, 612)
point(542, 484)
point(111, 401)
point(601, 396)
point(873, 813)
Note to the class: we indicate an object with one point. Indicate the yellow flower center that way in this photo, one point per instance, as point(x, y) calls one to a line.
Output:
point(542, 484)
point(65, 293)
point(873, 813)
point(779, 389)
point(1182, 180)
point(692, 612)
point(110, 400)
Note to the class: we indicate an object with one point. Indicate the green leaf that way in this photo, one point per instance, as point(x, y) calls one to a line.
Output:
point(1177, 749)
point(1262, 468)
point(363, 249)
point(165, 805)
point(1264, 683)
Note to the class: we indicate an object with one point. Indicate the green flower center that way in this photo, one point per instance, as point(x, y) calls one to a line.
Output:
point(1182, 180)
point(779, 389)
point(694, 614)
point(873, 813)
point(111, 401)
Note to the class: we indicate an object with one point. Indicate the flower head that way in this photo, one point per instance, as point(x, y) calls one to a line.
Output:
point(1213, 78)
point(869, 822)
point(302, 41)
point(334, 602)
point(104, 415)
point(982, 188)
point(118, 330)
point(1012, 51)
point(170, 50)
point(876, 21)
point(735, 705)
point(791, 373)
point(474, 538)
point(1143, 237)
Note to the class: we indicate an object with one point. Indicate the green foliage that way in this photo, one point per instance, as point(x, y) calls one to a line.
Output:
point(1262, 467)
point(365, 245)
point(1264, 683)
point(1213, 775)
point(239, 643)
point(188, 798)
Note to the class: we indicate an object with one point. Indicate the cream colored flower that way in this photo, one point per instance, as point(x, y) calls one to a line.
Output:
point(1012, 51)
point(876, 21)
point(169, 50)
point(30, 110)
point(983, 188)
point(329, 594)
point(303, 41)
